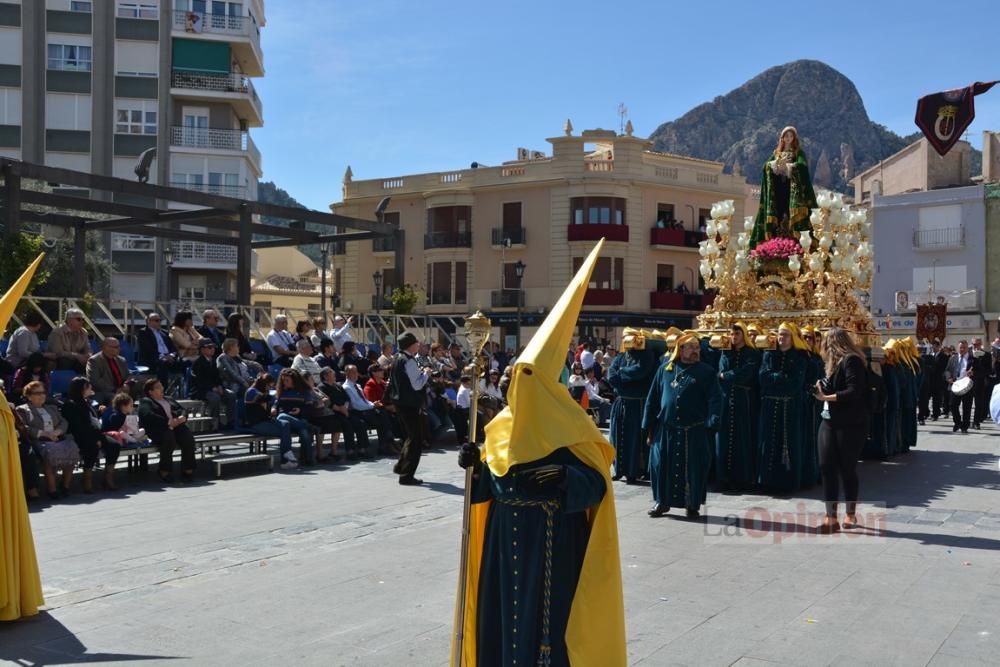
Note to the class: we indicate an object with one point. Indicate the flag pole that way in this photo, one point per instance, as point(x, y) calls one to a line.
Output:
point(477, 333)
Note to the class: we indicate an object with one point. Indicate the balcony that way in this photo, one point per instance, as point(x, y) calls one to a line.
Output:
point(235, 191)
point(679, 301)
point(214, 140)
point(384, 244)
point(198, 255)
point(680, 238)
point(604, 297)
point(235, 88)
point(242, 32)
point(518, 236)
point(507, 298)
point(447, 240)
point(133, 242)
point(597, 232)
point(947, 238)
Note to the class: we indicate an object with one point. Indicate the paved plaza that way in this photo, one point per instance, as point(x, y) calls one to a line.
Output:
point(342, 566)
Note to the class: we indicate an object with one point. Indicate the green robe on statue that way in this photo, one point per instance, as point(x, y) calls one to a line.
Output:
point(785, 202)
point(682, 407)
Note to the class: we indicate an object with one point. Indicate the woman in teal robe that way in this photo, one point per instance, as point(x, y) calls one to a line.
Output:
point(811, 420)
point(630, 375)
point(909, 393)
point(736, 441)
point(875, 445)
point(890, 374)
point(786, 193)
point(782, 389)
point(537, 522)
point(682, 409)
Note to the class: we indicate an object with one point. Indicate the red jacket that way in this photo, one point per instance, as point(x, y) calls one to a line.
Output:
point(374, 390)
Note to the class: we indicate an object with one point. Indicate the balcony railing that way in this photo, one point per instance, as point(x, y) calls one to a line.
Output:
point(133, 242)
point(939, 239)
point(234, 82)
point(507, 298)
point(604, 297)
point(516, 235)
point(679, 301)
point(236, 191)
point(384, 244)
point(215, 139)
point(220, 24)
point(681, 238)
point(196, 252)
point(447, 240)
point(597, 232)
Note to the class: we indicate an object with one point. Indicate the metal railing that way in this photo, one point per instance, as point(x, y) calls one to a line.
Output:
point(932, 239)
point(507, 298)
point(215, 139)
point(222, 24)
point(133, 242)
point(384, 244)
point(237, 191)
point(517, 235)
point(196, 252)
point(233, 82)
point(447, 240)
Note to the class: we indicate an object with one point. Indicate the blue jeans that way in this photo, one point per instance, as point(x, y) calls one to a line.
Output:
point(302, 427)
point(275, 428)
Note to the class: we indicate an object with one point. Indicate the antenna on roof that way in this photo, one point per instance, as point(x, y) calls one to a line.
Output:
point(622, 115)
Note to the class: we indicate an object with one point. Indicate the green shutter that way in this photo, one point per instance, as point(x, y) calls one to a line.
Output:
point(201, 56)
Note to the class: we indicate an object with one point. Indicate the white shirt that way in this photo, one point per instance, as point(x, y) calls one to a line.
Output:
point(417, 377)
point(587, 359)
point(489, 389)
point(280, 339)
point(161, 344)
point(356, 395)
point(576, 381)
point(963, 365)
point(593, 391)
point(464, 397)
point(306, 364)
point(340, 336)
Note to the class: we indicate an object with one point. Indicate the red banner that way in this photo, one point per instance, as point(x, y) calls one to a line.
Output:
point(943, 117)
point(931, 321)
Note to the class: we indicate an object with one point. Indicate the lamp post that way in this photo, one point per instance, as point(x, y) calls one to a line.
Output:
point(519, 272)
point(324, 251)
point(377, 279)
point(168, 261)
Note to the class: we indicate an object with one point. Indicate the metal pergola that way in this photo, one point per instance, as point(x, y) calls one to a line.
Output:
point(220, 216)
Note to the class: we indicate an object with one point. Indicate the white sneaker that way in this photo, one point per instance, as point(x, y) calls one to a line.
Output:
point(289, 465)
point(289, 457)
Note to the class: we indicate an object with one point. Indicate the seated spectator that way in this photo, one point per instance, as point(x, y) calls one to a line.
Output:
point(295, 398)
point(385, 359)
point(122, 424)
point(206, 385)
point(185, 336)
point(233, 371)
point(327, 358)
point(375, 392)
point(29, 462)
point(108, 371)
point(166, 425)
point(351, 424)
point(367, 360)
point(85, 427)
point(280, 342)
point(259, 419)
point(24, 341)
point(348, 357)
point(35, 369)
point(234, 329)
point(340, 333)
point(490, 396)
point(463, 402)
point(303, 331)
point(577, 383)
point(210, 328)
point(68, 343)
point(319, 333)
point(594, 398)
point(156, 349)
point(47, 430)
point(304, 362)
point(457, 361)
point(372, 416)
point(505, 381)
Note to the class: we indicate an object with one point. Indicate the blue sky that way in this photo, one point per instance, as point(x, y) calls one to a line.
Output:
point(396, 87)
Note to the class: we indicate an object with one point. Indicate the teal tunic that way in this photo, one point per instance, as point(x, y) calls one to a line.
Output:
point(512, 582)
point(893, 438)
point(909, 393)
point(736, 441)
point(875, 444)
point(683, 405)
point(630, 375)
point(782, 389)
point(811, 421)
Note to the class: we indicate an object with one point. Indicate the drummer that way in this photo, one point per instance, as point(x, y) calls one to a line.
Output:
point(960, 380)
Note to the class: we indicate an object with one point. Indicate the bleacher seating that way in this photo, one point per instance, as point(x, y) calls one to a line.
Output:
point(59, 382)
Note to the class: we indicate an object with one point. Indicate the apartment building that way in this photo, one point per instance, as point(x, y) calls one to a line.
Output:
point(89, 86)
point(465, 232)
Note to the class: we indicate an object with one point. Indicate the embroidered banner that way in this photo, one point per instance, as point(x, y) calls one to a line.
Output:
point(943, 117)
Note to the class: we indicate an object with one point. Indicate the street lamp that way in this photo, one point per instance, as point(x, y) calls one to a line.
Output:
point(324, 250)
point(519, 295)
point(168, 254)
point(377, 279)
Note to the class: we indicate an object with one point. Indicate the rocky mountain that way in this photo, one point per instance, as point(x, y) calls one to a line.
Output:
point(270, 193)
point(741, 127)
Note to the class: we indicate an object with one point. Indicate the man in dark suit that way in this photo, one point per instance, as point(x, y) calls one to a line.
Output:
point(935, 379)
point(210, 329)
point(983, 367)
point(156, 350)
point(960, 366)
point(206, 385)
point(107, 371)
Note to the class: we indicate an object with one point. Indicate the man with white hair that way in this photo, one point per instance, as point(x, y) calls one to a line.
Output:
point(280, 342)
point(210, 328)
point(69, 342)
point(304, 362)
point(339, 333)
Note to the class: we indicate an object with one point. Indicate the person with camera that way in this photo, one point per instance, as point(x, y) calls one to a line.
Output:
point(844, 425)
point(407, 391)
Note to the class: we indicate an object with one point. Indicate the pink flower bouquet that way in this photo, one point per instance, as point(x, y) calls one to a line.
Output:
point(774, 251)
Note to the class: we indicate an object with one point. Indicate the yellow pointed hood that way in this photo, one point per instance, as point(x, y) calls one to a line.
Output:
point(13, 295)
point(541, 417)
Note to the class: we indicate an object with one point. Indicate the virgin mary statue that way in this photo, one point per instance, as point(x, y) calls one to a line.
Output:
point(786, 193)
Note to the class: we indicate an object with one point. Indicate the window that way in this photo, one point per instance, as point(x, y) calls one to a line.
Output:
point(135, 118)
point(512, 216)
point(704, 214)
point(608, 272)
point(664, 215)
point(77, 6)
point(598, 210)
point(449, 219)
point(391, 218)
point(439, 283)
point(664, 277)
point(138, 10)
point(461, 288)
point(70, 57)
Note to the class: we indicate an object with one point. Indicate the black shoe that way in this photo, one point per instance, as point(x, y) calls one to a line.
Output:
point(631, 481)
point(921, 422)
point(187, 478)
point(167, 479)
point(410, 481)
point(658, 510)
point(954, 429)
point(54, 495)
point(692, 513)
point(965, 431)
point(63, 491)
point(976, 426)
point(616, 478)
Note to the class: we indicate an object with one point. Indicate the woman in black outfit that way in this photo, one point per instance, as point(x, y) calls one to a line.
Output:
point(844, 426)
point(234, 329)
point(166, 426)
point(85, 427)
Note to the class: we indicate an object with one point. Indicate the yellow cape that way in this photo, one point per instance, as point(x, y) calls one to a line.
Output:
point(541, 417)
point(20, 585)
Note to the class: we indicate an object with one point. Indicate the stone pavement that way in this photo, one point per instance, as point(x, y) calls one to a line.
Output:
point(339, 566)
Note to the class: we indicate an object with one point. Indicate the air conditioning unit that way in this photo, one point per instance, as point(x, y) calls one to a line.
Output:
point(523, 154)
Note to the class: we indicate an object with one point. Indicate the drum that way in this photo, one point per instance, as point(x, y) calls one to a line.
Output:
point(961, 387)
